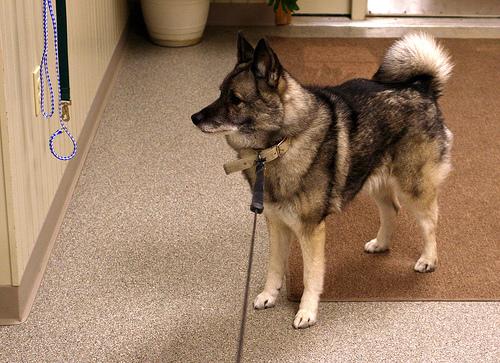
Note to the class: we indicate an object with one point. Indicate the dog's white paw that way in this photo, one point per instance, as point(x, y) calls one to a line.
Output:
point(425, 264)
point(304, 319)
point(264, 300)
point(374, 246)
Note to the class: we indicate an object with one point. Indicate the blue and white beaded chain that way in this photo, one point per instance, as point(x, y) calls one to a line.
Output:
point(44, 72)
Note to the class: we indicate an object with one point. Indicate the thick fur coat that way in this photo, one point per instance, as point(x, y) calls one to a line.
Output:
point(385, 135)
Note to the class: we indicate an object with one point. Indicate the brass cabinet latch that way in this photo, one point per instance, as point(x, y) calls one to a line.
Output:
point(65, 110)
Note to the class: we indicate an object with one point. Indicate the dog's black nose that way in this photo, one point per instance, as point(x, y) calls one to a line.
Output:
point(197, 118)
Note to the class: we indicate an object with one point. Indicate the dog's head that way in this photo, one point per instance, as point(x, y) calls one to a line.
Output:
point(249, 103)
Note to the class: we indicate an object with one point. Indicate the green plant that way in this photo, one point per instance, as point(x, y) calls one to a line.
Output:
point(286, 5)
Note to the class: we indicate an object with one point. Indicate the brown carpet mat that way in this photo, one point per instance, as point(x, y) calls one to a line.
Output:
point(468, 231)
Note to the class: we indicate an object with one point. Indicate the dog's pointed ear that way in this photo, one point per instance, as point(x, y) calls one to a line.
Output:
point(245, 49)
point(266, 64)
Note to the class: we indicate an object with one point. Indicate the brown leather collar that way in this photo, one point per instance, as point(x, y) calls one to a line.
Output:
point(267, 155)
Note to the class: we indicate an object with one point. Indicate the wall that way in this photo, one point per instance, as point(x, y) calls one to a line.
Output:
point(32, 175)
point(239, 1)
point(307, 6)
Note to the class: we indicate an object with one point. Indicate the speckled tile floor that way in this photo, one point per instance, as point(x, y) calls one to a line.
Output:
point(151, 259)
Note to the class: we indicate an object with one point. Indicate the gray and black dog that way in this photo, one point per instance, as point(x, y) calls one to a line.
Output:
point(385, 135)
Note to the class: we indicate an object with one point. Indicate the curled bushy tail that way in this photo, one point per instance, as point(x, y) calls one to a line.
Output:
point(416, 55)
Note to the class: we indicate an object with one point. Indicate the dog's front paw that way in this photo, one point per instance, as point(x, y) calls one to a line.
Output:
point(374, 246)
point(304, 319)
point(264, 300)
point(425, 264)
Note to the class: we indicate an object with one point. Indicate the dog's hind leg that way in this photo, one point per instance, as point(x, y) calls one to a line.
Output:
point(388, 207)
point(419, 170)
point(426, 213)
point(279, 242)
point(312, 243)
point(419, 195)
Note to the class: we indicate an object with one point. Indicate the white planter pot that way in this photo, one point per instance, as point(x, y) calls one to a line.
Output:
point(175, 23)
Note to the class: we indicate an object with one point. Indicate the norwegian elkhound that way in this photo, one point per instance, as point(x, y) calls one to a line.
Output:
point(385, 135)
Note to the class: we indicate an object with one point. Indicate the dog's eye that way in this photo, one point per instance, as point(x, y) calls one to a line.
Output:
point(235, 100)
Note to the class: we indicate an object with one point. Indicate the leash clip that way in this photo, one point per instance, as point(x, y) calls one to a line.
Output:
point(257, 205)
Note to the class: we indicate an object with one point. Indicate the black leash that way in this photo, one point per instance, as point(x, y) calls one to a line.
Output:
point(257, 207)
